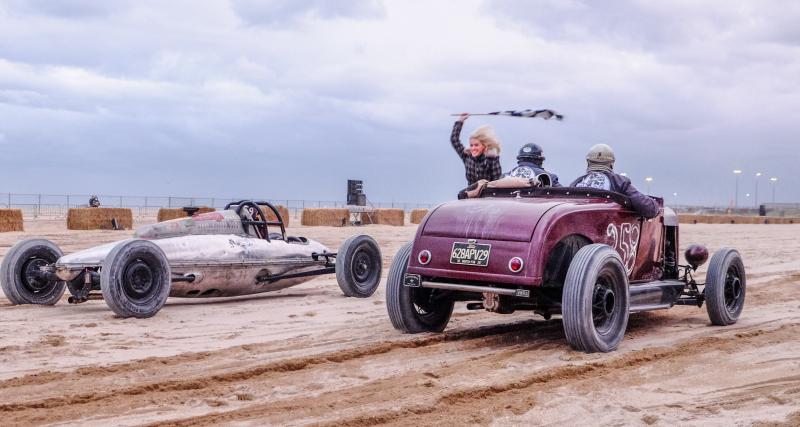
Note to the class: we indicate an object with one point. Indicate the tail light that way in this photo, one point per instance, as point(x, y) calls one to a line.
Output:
point(515, 264)
point(424, 257)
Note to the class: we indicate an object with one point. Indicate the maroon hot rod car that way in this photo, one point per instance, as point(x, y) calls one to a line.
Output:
point(581, 253)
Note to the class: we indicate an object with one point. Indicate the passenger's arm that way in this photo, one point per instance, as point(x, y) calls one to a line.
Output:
point(455, 139)
point(645, 205)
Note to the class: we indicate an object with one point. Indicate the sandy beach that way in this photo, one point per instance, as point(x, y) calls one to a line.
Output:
point(309, 356)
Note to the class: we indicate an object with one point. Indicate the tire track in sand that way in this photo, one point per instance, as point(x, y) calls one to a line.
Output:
point(228, 376)
point(474, 404)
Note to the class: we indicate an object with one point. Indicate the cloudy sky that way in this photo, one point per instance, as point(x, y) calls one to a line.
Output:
point(290, 98)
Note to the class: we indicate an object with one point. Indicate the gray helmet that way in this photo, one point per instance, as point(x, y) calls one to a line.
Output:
point(530, 152)
point(600, 154)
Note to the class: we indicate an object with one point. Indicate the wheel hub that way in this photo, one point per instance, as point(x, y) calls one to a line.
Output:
point(603, 303)
point(361, 266)
point(138, 278)
point(733, 289)
point(31, 272)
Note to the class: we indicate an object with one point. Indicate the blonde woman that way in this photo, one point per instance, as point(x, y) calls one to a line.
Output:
point(482, 158)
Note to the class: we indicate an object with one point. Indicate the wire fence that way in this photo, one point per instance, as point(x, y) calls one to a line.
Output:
point(56, 205)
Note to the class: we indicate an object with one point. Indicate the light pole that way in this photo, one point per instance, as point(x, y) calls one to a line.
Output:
point(736, 172)
point(648, 180)
point(774, 182)
point(755, 201)
point(675, 199)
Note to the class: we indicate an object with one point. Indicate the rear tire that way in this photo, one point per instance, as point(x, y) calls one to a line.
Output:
point(414, 310)
point(358, 266)
point(595, 302)
point(725, 287)
point(135, 279)
point(20, 262)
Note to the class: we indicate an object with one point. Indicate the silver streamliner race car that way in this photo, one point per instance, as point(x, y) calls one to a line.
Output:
point(215, 254)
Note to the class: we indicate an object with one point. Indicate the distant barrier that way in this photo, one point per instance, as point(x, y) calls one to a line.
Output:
point(735, 219)
point(56, 206)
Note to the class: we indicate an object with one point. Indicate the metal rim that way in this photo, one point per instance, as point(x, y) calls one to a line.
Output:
point(605, 304)
point(733, 290)
point(364, 266)
point(140, 278)
point(30, 277)
point(361, 265)
point(424, 302)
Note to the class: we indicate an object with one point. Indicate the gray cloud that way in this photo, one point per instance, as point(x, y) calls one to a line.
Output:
point(290, 99)
point(285, 13)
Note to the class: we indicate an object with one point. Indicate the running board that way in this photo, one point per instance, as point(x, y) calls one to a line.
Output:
point(656, 295)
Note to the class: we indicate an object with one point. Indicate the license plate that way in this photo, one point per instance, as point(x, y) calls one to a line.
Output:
point(470, 254)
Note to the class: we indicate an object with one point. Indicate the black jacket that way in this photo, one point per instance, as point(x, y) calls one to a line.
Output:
point(645, 205)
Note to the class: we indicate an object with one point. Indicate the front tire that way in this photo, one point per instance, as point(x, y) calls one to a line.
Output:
point(725, 287)
point(414, 310)
point(358, 266)
point(135, 279)
point(18, 273)
point(595, 302)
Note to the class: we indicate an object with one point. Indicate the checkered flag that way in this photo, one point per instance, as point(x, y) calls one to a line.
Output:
point(542, 114)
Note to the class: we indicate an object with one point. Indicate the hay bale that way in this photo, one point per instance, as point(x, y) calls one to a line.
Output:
point(166, 214)
point(417, 215)
point(325, 217)
point(11, 220)
point(98, 218)
point(283, 210)
point(385, 216)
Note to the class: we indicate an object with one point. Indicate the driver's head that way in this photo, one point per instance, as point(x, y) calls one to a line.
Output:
point(531, 153)
point(600, 158)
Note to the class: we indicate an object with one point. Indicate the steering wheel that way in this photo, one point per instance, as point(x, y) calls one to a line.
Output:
point(258, 221)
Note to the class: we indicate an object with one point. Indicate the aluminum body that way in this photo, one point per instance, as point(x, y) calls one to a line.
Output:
point(214, 248)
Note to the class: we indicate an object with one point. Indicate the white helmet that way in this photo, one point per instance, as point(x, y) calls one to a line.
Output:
point(600, 154)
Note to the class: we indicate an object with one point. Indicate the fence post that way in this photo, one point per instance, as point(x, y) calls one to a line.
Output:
point(38, 206)
point(169, 201)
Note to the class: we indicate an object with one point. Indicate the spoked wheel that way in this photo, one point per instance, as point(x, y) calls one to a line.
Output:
point(726, 286)
point(414, 310)
point(603, 304)
point(135, 279)
point(21, 277)
point(358, 266)
point(595, 302)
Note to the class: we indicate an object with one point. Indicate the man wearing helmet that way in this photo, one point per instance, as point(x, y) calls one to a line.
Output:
point(600, 174)
point(530, 162)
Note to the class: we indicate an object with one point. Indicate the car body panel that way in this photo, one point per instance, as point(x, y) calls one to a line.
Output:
point(530, 227)
point(222, 264)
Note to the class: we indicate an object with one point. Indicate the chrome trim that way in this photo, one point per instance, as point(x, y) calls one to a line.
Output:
point(468, 288)
point(521, 264)
point(419, 257)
